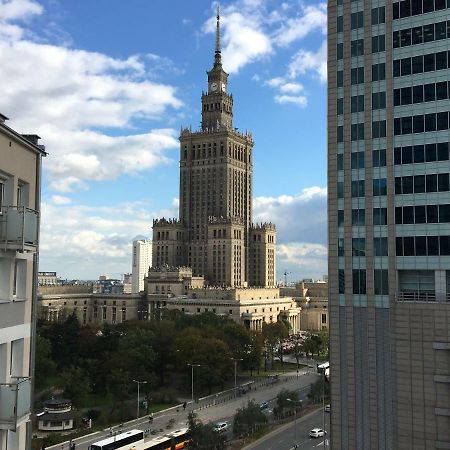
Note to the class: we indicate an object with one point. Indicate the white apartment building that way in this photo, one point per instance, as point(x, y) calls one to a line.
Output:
point(142, 260)
point(20, 179)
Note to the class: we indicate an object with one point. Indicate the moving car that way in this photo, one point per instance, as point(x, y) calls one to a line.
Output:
point(317, 433)
point(221, 427)
point(263, 405)
point(327, 408)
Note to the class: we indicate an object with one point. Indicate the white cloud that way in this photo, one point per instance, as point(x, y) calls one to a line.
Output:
point(287, 91)
point(19, 9)
point(61, 200)
point(81, 241)
point(299, 218)
point(311, 18)
point(291, 88)
point(253, 30)
point(301, 222)
point(299, 100)
point(306, 61)
point(83, 104)
point(302, 260)
point(243, 38)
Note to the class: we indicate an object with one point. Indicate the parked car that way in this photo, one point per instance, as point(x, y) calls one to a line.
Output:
point(263, 405)
point(221, 427)
point(327, 408)
point(317, 433)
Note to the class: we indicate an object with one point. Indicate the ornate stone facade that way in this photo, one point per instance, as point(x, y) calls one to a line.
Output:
point(214, 234)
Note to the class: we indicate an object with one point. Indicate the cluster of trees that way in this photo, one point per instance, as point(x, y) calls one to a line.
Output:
point(311, 344)
point(107, 360)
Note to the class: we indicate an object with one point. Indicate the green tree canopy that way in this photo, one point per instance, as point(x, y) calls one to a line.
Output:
point(248, 418)
point(203, 436)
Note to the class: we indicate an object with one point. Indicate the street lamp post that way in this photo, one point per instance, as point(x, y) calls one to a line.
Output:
point(192, 379)
point(325, 444)
point(295, 420)
point(138, 385)
point(235, 374)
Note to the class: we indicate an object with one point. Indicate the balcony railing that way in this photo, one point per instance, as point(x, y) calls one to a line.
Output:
point(19, 228)
point(14, 403)
point(422, 296)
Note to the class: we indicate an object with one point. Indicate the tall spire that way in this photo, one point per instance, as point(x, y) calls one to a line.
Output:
point(218, 55)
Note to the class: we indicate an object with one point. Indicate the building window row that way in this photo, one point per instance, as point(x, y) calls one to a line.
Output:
point(407, 8)
point(378, 129)
point(421, 123)
point(418, 184)
point(359, 217)
point(357, 160)
point(421, 93)
point(419, 35)
point(380, 246)
point(357, 20)
point(359, 278)
point(357, 74)
point(358, 189)
point(378, 43)
point(421, 153)
point(378, 100)
point(423, 246)
point(378, 15)
point(422, 214)
point(357, 131)
point(357, 47)
point(420, 64)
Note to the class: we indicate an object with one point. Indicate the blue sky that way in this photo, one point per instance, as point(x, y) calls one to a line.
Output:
point(107, 85)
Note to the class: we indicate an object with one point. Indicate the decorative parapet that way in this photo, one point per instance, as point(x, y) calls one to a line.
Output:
point(167, 268)
point(213, 220)
point(263, 226)
point(167, 222)
point(186, 132)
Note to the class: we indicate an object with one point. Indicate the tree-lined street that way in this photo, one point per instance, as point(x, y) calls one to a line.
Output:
point(213, 413)
point(284, 437)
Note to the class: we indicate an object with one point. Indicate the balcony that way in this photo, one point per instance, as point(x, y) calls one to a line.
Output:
point(14, 403)
point(18, 228)
point(422, 297)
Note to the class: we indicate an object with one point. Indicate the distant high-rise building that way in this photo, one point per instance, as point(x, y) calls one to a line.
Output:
point(142, 260)
point(20, 185)
point(214, 234)
point(389, 223)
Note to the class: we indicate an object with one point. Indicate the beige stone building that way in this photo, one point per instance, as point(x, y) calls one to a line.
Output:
point(388, 222)
point(20, 184)
point(312, 298)
point(214, 234)
point(251, 307)
point(91, 309)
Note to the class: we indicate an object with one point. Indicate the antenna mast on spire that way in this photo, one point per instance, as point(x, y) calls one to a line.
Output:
point(218, 56)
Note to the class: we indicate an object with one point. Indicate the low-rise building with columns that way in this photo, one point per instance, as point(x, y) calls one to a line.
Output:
point(312, 298)
point(250, 306)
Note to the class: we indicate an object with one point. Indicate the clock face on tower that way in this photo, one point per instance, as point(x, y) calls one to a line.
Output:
point(224, 88)
point(214, 86)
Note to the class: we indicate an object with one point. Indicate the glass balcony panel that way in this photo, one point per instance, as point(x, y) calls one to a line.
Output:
point(18, 227)
point(14, 403)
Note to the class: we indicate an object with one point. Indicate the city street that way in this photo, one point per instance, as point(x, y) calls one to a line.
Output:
point(284, 437)
point(214, 413)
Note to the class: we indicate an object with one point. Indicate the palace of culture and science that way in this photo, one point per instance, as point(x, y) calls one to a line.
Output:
point(214, 235)
point(213, 258)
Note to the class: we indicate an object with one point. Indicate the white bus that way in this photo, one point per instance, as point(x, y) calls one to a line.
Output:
point(175, 440)
point(122, 441)
point(324, 368)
